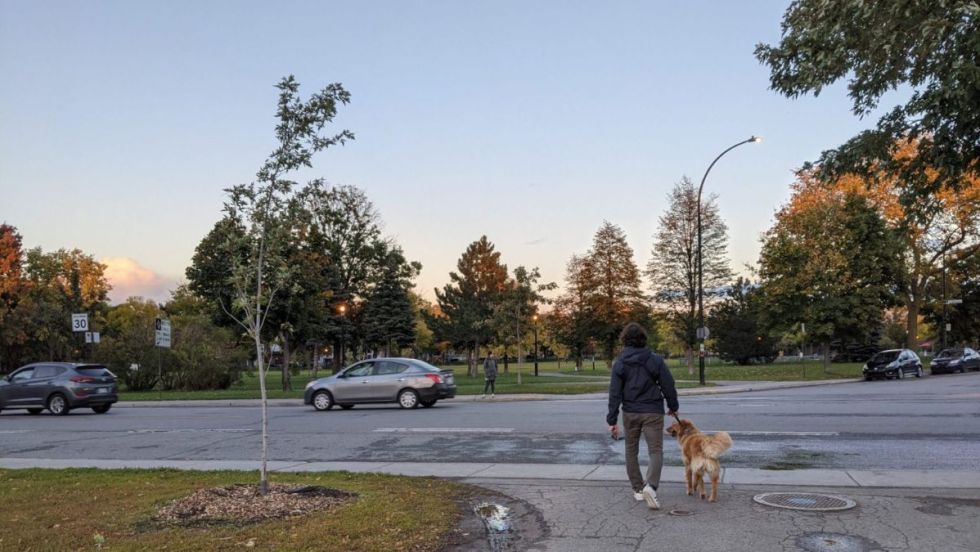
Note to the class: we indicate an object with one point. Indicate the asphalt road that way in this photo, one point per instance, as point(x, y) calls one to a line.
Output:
point(932, 423)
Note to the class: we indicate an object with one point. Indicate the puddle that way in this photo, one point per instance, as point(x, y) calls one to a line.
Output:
point(496, 518)
point(834, 542)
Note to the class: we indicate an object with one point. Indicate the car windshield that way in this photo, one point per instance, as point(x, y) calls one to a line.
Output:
point(885, 356)
point(94, 371)
point(950, 353)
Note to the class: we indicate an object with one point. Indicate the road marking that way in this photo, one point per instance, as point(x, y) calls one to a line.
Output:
point(444, 430)
point(784, 433)
point(191, 430)
point(4, 431)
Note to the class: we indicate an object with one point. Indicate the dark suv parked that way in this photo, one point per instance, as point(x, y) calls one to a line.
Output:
point(59, 387)
point(955, 360)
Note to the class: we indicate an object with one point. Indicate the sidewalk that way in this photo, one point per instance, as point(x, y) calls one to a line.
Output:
point(720, 388)
point(731, 477)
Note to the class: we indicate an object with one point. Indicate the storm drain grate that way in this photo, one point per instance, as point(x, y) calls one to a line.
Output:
point(805, 501)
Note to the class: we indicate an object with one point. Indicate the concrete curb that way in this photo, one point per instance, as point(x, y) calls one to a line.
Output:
point(693, 392)
point(900, 479)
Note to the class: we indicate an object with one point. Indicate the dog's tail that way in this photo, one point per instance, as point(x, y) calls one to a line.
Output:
point(717, 444)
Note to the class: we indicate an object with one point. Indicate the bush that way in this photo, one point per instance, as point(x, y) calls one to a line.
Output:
point(204, 356)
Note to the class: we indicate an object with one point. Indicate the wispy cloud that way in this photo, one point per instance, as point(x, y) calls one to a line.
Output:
point(538, 241)
point(129, 278)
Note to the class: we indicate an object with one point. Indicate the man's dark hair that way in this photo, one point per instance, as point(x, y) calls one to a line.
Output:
point(634, 335)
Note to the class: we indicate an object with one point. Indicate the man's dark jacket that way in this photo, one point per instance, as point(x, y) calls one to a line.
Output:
point(632, 384)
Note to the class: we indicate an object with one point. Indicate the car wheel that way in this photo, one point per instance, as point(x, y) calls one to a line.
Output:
point(918, 371)
point(900, 373)
point(58, 404)
point(322, 401)
point(346, 406)
point(408, 398)
point(960, 370)
point(101, 409)
point(34, 411)
point(429, 404)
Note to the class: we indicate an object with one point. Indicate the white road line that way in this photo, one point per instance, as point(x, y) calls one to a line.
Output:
point(4, 431)
point(191, 430)
point(444, 430)
point(783, 433)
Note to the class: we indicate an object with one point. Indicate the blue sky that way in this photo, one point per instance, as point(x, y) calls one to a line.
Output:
point(531, 122)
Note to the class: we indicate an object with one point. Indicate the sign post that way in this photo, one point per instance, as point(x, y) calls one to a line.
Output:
point(162, 339)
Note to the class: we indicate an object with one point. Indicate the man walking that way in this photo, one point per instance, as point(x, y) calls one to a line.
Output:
point(490, 374)
point(640, 382)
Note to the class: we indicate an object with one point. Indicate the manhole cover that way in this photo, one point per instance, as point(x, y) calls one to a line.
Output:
point(681, 513)
point(805, 501)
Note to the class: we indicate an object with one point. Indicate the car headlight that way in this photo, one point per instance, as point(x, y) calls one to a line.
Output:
point(865, 368)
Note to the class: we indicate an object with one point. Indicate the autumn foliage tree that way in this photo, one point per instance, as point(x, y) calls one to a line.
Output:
point(16, 306)
point(944, 223)
point(834, 267)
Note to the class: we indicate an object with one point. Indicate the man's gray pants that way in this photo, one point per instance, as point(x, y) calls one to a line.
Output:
point(651, 427)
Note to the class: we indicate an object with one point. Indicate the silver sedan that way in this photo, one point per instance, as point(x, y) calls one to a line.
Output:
point(406, 381)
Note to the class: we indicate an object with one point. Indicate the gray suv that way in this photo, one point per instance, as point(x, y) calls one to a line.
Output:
point(406, 381)
point(59, 387)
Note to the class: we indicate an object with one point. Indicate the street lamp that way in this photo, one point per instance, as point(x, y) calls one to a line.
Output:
point(342, 310)
point(535, 319)
point(702, 332)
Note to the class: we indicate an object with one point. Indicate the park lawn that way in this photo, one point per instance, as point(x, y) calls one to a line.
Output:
point(782, 371)
point(551, 384)
point(66, 509)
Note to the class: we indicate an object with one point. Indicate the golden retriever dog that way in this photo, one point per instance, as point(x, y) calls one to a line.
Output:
point(700, 453)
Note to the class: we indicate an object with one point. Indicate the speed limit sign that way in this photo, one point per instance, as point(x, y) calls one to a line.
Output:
point(79, 322)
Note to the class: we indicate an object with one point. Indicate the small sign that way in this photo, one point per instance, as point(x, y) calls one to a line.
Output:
point(91, 337)
point(162, 333)
point(88, 337)
point(95, 337)
point(949, 327)
point(954, 302)
point(703, 332)
point(79, 322)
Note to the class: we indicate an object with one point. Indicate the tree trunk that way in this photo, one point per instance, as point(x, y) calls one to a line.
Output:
point(506, 362)
point(287, 384)
point(471, 361)
point(912, 322)
point(826, 357)
point(578, 363)
point(264, 471)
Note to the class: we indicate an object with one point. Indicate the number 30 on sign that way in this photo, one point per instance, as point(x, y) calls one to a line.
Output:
point(79, 322)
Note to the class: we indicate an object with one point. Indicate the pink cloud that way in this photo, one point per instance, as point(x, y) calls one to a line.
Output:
point(129, 278)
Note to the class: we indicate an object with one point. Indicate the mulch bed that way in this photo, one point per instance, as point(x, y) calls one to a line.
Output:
point(242, 504)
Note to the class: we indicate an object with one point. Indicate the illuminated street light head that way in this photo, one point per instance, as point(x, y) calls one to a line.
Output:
point(342, 309)
point(755, 138)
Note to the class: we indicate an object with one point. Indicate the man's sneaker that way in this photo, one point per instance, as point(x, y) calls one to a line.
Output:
point(484, 396)
point(492, 395)
point(638, 496)
point(650, 496)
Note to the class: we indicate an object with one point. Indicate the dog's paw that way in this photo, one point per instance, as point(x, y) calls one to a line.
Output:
point(703, 496)
point(690, 492)
point(712, 500)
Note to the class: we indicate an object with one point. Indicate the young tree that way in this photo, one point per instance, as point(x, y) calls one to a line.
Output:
point(571, 319)
point(466, 303)
point(613, 286)
point(927, 46)
point(834, 267)
point(673, 267)
point(739, 335)
point(260, 210)
point(517, 305)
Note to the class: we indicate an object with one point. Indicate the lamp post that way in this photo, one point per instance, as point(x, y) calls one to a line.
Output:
point(342, 310)
point(535, 319)
point(702, 332)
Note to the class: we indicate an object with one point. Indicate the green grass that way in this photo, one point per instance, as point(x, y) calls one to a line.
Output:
point(551, 381)
point(66, 509)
